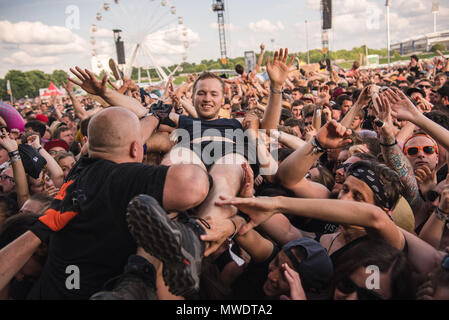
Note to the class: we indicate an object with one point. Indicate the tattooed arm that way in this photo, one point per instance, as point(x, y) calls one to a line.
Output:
point(395, 158)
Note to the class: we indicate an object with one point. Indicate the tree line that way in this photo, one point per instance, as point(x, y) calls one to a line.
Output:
point(27, 84)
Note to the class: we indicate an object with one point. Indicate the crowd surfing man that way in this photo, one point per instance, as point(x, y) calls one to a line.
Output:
point(174, 187)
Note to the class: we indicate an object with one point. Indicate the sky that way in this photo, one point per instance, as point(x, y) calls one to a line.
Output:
point(56, 34)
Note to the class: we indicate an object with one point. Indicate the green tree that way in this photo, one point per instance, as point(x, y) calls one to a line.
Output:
point(21, 86)
point(438, 46)
point(58, 76)
point(38, 79)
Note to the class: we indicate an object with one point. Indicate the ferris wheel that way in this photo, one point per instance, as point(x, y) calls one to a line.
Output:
point(142, 34)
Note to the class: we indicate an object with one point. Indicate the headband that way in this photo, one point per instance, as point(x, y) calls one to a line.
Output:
point(364, 173)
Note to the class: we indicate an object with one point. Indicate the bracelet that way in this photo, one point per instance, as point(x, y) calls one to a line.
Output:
point(13, 153)
point(15, 158)
point(273, 90)
point(388, 145)
point(317, 147)
point(39, 149)
point(443, 216)
point(235, 231)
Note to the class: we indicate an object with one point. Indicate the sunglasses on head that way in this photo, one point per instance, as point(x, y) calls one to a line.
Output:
point(413, 151)
point(347, 286)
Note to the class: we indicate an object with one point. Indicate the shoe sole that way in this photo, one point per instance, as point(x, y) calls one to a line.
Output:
point(158, 235)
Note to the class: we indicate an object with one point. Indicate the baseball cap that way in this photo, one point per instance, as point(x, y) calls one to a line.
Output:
point(316, 269)
point(412, 90)
point(42, 118)
point(56, 143)
point(308, 96)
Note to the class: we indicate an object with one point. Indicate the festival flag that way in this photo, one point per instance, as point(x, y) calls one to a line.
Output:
point(8, 87)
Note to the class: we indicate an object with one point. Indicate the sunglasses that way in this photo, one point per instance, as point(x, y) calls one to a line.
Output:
point(345, 166)
point(347, 286)
point(423, 86)
point(413, 151)
point(3, 177)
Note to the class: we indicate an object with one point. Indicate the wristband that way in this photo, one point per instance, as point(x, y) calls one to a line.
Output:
point(443, 216)
point(13, 153)
point(15, 158)
point(273, 90)
point(388, 145)
point(317, 148)
point(39, 149)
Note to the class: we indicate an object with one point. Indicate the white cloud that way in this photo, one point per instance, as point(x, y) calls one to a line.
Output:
point(78, 46)
point(34, 33)
point(265, 25)
point(22, 58)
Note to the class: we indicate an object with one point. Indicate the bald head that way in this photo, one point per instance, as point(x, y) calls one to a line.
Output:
point(113, 130)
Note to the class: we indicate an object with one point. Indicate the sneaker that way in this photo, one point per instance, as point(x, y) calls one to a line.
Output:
point(138, 282)
point(175, 243)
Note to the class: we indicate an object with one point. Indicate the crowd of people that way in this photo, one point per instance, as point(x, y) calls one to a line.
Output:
point(290, 181)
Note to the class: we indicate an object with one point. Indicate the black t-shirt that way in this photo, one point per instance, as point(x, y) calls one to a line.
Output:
point(96, 241)
point(249, 285)
point(219, 127)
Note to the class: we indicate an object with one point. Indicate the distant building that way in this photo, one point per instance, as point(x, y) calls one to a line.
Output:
point(422, 43)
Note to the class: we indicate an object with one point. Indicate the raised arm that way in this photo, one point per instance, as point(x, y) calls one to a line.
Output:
point(294, 167)
point(259, 62)
point(277, 72)
point(394, 157)
point(403, 108)
point(79, 110)
point(362, 101)
point(19, 174)
point(432, 232)
point(92, 85)
point(54, 170)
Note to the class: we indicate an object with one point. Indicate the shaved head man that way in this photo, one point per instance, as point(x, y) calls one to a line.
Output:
point(87, 220)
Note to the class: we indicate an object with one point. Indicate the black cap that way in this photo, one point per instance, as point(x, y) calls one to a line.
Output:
point(412, 90)
point(443, 91)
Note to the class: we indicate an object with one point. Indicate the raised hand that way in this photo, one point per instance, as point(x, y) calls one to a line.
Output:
point(384, 114)
point(401, 106)
point(6, 142)
point(366, 94)
point(68, 86)
point(278, 68)
point(89, 82)
point(425, 178)
point(294, 281)
point(333, 135)
point(259, 209)
point(34, 141)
